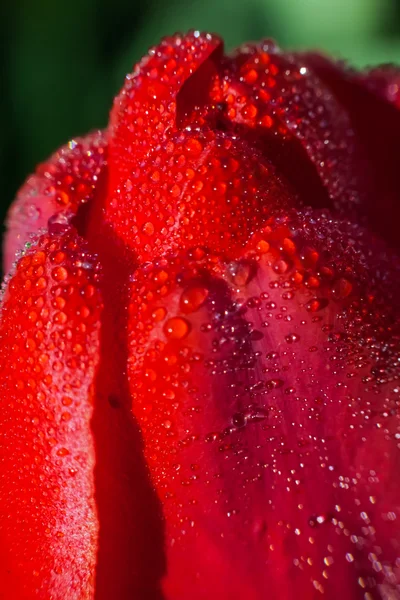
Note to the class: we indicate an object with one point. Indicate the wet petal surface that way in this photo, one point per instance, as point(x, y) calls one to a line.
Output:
point(64, 183)
point(49, 352)
point(266, 391)
point(370, 99)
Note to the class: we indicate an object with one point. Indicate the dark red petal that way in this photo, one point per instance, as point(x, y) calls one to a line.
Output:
point(285, 104)
point(266, 389)
point(383, 81)
point(49, 351)
point(63, 183)
point(371, 100)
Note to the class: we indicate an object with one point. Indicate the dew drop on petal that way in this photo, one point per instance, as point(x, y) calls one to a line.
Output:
point(177, 328)
point(192, 299)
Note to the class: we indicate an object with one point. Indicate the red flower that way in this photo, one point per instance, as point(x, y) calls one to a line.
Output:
point(200, 354)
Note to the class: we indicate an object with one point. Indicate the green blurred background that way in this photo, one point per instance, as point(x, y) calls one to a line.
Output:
point(64, 60)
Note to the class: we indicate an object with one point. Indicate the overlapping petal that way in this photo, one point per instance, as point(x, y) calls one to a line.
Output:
point(293, 114)
point(266, 389)
point(370, 99)
point(64, 183)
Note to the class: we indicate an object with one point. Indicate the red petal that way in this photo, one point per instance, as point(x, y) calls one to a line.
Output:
point(384, 82)
point(266, 391)
point(296, 117)
point(63, 183)
point(203, 188)
point(371, 101)
point(49, 350)
point(145, 111)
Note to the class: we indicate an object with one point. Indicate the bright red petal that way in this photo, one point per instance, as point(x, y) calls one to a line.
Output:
point(49, 351)
point(203, 188)
point(266, 389)
point(63, 183)
point(145, 112)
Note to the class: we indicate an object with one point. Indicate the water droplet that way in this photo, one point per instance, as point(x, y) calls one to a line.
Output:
point(342, 288)
point(239, 420)
point(159, 314)
point(60, 273)
point(314, 521)
point(292, 338)
point(177, 328)
point(148, 228)
point(263, 246)
point(241, 273)
point(316, 304)
point(193, 147)
point(60, 318)
point(62, 452)
point(192, 299)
